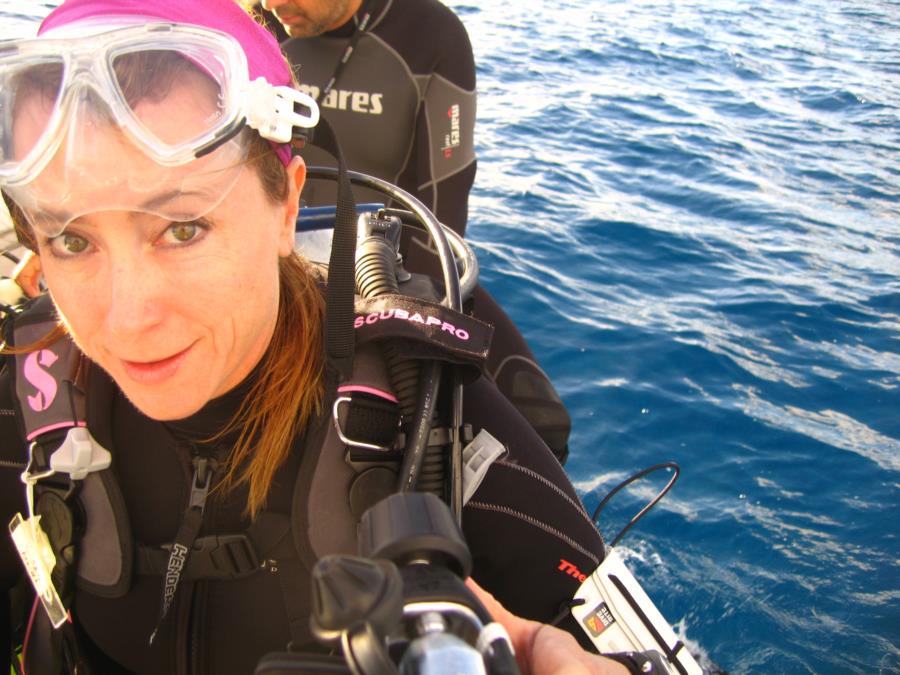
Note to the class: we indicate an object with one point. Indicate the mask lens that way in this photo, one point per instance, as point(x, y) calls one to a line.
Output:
point(29, 102)
point(142, 119)
point(146, 80)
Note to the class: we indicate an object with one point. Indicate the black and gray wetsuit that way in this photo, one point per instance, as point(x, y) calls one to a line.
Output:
point(403, 107)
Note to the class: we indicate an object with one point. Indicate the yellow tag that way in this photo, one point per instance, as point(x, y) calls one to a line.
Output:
point(37, 555)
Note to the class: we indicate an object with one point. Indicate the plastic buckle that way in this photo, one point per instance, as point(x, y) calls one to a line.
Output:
point(79, 455)
point(478, 456)
point(228, 556)
point(272, 110)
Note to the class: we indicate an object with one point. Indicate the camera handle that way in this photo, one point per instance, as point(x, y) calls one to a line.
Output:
point(404, 607)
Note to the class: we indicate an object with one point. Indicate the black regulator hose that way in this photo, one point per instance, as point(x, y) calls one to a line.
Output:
point(449, 272)
point(417, 441)
point(376, 275)
point(415, 385)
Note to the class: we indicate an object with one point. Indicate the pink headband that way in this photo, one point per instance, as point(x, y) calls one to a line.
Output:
point(264, 56)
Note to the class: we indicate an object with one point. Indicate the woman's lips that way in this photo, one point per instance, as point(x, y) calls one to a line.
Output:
point(154, 372)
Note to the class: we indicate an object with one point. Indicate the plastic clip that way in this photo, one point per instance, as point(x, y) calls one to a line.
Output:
point(272, 110)
point(79, 455)
point(478, 456)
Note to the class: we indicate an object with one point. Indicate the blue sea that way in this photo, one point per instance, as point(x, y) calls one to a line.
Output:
point(692, 210)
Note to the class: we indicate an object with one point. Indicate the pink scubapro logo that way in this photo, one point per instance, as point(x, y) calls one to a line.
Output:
point(42, 380)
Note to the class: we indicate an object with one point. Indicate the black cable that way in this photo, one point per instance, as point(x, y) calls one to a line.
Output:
point(414, 453)
point(456, 449)
point(653, 502)
point(565, 610)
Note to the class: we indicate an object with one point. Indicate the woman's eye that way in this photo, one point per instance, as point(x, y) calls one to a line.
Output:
point(183, 232)
point(69, 244)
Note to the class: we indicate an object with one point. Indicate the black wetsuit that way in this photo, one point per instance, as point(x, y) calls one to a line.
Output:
point(528, 533)
point(403, 109)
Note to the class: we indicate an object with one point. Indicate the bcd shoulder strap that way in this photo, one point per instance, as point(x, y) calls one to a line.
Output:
point(49, 386)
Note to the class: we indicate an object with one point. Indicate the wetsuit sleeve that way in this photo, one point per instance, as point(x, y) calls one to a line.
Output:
point(442, 163)
point(532, 541)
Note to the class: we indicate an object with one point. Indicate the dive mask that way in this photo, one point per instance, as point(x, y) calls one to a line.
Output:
point(145, 117)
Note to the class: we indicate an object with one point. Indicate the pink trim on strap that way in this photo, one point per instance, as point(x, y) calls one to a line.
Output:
point(54, 427)
point(368, 390)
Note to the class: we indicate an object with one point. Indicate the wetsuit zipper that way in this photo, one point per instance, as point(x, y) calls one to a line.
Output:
point(200, 591)
point(187, 632)
point(197, 621)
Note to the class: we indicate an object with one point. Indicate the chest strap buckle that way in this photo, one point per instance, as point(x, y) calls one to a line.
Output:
point(225, 556)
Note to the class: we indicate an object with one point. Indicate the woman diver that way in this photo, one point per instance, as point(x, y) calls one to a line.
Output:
point(144, 159)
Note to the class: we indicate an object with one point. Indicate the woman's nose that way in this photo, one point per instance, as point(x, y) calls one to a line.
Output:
point(134, 300)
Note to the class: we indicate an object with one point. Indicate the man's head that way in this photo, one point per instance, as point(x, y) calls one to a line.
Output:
point(307, 18)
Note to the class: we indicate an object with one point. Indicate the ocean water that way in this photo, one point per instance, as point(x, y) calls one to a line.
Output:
point(692, 209)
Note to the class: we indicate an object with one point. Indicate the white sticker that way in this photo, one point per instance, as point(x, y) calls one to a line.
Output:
point(37, 555)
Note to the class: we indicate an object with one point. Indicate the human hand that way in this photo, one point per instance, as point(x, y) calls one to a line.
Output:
point(542, 649)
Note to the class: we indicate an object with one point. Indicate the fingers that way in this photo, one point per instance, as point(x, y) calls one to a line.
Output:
point(542, 649)
point(555, 651)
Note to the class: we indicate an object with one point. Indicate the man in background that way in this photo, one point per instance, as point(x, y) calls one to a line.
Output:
point(396, 81)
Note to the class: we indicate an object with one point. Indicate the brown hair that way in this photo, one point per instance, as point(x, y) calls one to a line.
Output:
point(289, 388)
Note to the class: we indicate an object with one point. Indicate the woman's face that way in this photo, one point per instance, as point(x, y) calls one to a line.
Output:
point(176, 313)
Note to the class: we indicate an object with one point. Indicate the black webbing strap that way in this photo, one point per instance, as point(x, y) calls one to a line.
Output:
point(339, 296)
point(221, 556)
point(228, 556)
point(291, 574)
point(348, 50)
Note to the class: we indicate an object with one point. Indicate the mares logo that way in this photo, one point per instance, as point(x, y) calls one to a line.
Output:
point(342, 99)
point(415, 317)
point(42, 380)
point(451, 140)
